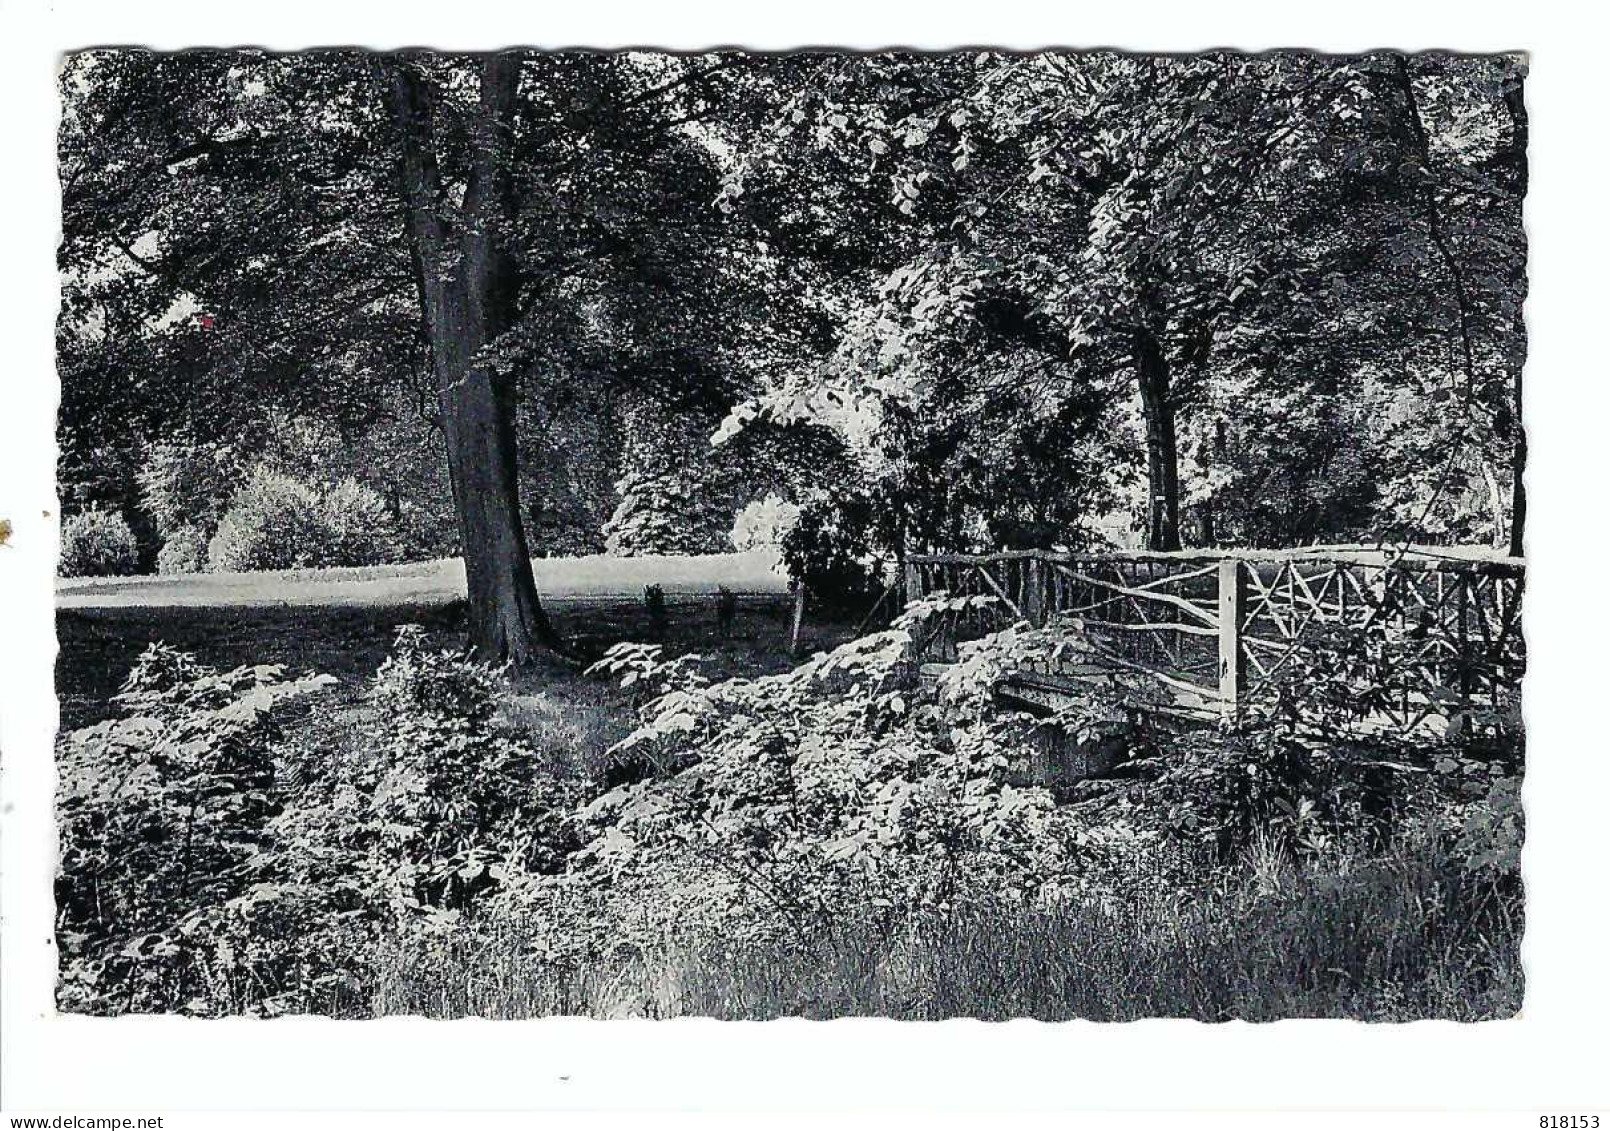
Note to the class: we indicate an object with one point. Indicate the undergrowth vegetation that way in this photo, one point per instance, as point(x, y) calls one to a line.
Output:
point(1399, 938)
point(840, 838)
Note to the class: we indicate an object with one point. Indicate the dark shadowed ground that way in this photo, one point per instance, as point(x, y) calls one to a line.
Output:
point(98, 645)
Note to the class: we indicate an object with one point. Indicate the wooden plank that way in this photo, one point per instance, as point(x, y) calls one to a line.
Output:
point(1416, 559)
point(1198, 701)
point(1232, 655)
point(1171, 578)
point(1152, 626)
point(1143, 594)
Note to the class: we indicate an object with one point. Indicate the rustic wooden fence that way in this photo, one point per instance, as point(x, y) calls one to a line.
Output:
point(1418, 639)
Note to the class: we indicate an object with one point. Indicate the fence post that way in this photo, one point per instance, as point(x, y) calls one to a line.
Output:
point(799, 618)
point(1232, 652)
point(913, 582)
point(1033, 593)
point(1462, 639)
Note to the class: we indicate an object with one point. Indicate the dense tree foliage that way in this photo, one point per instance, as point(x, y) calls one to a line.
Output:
point(1254, 273)
point(962, 301)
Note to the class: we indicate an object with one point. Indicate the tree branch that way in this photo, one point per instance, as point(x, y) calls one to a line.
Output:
point(726, 63)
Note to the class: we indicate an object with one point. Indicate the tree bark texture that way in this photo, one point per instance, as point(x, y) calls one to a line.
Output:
point(1515, 101)
point(1162, 448)
point(468, 290)
point(1517, 109)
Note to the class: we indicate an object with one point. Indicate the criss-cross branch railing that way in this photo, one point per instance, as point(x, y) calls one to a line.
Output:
point(1237, 627)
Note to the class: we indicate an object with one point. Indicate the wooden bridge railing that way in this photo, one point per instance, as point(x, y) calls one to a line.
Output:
point(1231, 628)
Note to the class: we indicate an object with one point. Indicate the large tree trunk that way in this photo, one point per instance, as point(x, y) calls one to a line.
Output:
point(467, 292)
point(1515, 100)
point(1162, 448)
point(1517, 499)
point(1207, 512)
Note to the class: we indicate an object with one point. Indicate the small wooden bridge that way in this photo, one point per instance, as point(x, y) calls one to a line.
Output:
point(1417, 641)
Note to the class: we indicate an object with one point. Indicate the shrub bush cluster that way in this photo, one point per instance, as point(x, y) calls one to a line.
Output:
point(846, 791)
point(357, 526)
point(461, 803)
point(183, 551)
point(278, 522)
point(97, 543)
point(291, 504)
point(825, 548)
point(272, 523)
point(187, 486)
point(162, 813)
point(214, 862)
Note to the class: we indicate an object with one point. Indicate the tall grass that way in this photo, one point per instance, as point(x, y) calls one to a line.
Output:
point(1398, 938)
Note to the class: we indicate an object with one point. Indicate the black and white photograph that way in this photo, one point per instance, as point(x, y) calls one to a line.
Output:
point(903, 564)
point(745, 535)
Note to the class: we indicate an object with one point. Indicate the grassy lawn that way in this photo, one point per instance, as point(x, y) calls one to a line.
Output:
point(597, 577)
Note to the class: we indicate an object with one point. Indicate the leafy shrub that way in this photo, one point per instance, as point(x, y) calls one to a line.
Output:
point(359, 528)
point(161, 812)
point(764, 523)
point(1219, 797)
point(213, 863)
point(216, 860)
point(826, 550)
point(97, 543)
point(846, 791)
point(187, 487)
point(837, 790)
point(397, 454)
point(459, 803)
point(278, 522)
point(274, 522)
point(411, 836)
point(184, 551)
point(1481, 819)
point(1490, 831)
point(442, 808)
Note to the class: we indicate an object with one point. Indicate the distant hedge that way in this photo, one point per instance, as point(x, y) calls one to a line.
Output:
point(278, 522)
point(97, 543)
